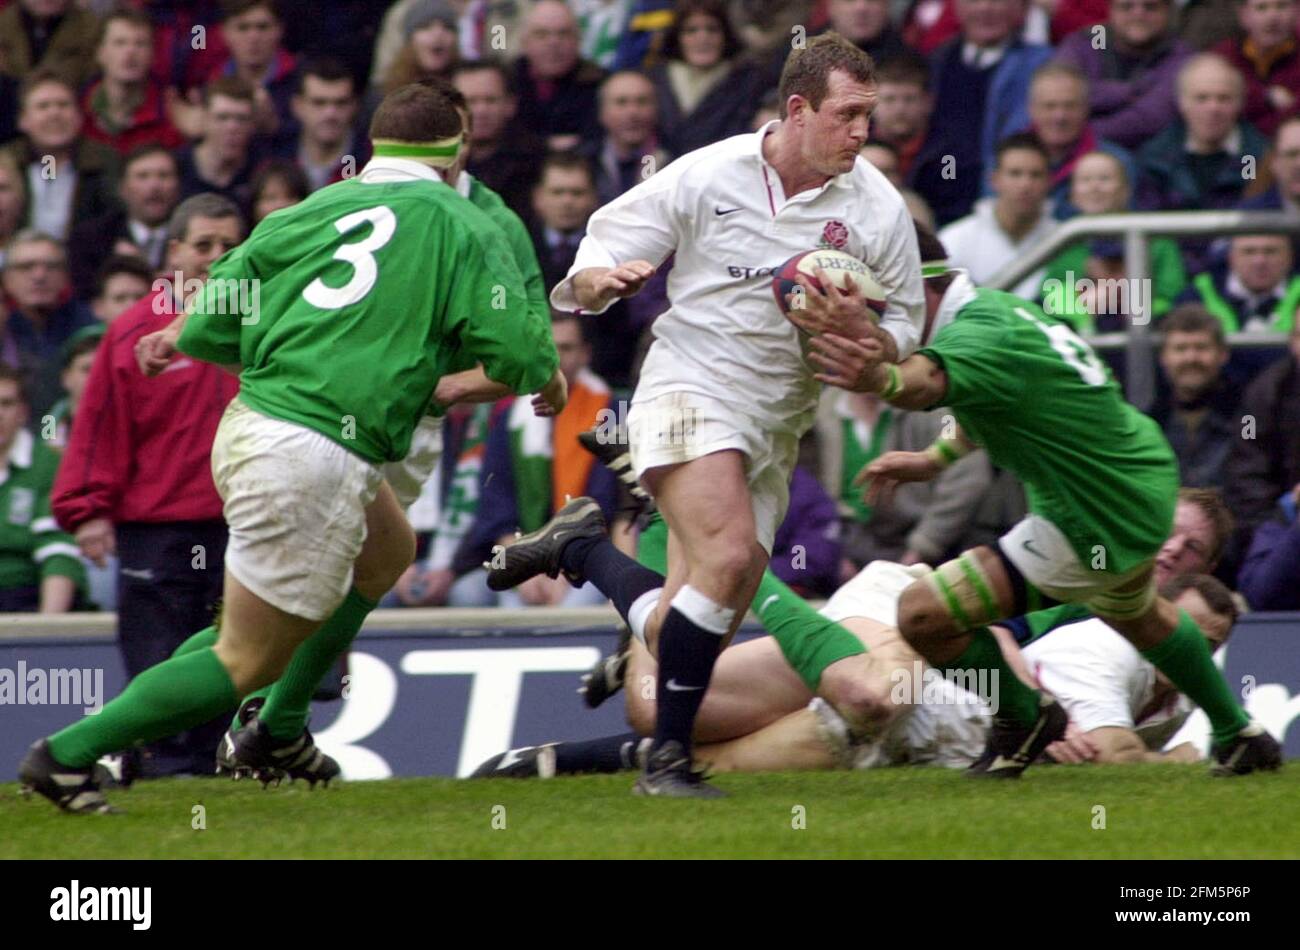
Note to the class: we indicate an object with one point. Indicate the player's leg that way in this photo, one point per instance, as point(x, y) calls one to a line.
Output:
point(792, 743)
point(1170, 639)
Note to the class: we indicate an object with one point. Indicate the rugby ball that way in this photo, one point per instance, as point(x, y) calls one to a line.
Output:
point(842, 269)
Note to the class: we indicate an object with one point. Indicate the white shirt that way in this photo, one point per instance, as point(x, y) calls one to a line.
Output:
point(153, 241)
point(51, 198)
point(1099, 677)
point(722, 210)
point(978, 244)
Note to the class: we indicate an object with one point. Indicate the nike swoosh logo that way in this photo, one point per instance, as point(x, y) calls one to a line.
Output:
point(722, 213)
point(676, 687)
point(764, 605)
point(1004, 763)
point(1029, 546)
point(513, 756)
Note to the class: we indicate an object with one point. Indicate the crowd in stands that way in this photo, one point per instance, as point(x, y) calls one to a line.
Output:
point(141, 140)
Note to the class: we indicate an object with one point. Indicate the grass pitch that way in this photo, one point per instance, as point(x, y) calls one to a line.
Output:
point(1149, 811)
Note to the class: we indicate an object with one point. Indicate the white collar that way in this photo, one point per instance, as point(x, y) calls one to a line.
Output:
point(959, 293)
point(1231, 145)
point(384, 169)
point(464, 183)
point(1235, 287)
point(843, 180)
point(20, 453)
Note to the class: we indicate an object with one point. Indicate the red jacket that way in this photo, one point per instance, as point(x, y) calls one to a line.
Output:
point(149, 122)
point(140, 448)
point(1282, 71)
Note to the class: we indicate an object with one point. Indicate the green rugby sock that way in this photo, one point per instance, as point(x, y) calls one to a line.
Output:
point(1184, 657)
point(808, 641)
point(288, 700)
point(165, 699)
point(207, 637)
point(1015, 699)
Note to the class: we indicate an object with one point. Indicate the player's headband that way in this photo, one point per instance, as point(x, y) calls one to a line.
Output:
point(439, 154)
point(935, 268)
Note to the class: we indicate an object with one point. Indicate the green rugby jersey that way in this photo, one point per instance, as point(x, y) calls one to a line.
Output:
point(31, 545)
point(521, 245)
point(1042, 404)
point(345, 310)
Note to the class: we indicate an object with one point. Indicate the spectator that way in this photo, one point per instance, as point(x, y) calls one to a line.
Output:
point(13, 200)
point(806, 552)
point(1099, 185)
point(884, 157)
point(279, 183)
point(556, 88)
point(431, 46)
point(125, 108)
point(325, 106)
point(866, 23)
point(1202, 532)
point(44, 316)
point(706, 92)
point(68, 177)
point(253, 30)
point(628, 150)
point(903, 108)
point(1259, 291)
point(149, 192)
point(39, 569)
point(1058, 110)
point(1260, 469)
point(922, 521)
point(1270, 575)
point(1198, 409)
point(929, 24)
point(1197, 161)
point(476, 28)
point(78, 356)
point(136, 478)
point(531, 464)
point(1202, 23)
point(48, 35)
point(563, 200)
point(1014, 220)
point(222, 161)
point(1267, 60)
point(120, 282)
point(503, 156)
point(1132, 74)
point(1284, 164)
point(981, 90)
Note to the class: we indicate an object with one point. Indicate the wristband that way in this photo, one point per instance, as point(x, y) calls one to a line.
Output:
point(895, 384)
point(944, 451)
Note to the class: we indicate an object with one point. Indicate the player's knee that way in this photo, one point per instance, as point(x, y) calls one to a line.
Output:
point(730, 562)
point(378, 570)
point(863, 706)
point(922, 619)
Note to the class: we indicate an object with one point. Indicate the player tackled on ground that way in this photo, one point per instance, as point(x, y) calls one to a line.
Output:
point(725, 391)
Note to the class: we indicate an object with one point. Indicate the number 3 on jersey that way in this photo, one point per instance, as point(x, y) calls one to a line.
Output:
point(360, 254)
point(1076, 353)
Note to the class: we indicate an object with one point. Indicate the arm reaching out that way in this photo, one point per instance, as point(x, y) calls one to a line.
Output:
point(597, 287)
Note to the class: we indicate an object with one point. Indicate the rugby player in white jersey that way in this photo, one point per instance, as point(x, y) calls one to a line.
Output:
point(725, 392)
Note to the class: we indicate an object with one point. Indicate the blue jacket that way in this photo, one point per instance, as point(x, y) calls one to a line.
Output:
point(1270, 577)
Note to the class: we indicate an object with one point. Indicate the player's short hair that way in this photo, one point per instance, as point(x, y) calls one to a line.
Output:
point(1194, 318)
point(908, 69)
point(233, 8)
point(417, 112)
point(489, 66)
point(147, 150)
point(18, 378)
point(121, 264)
point(1022, 142)
point(807, 71)
point(684, 10)
point(206, 204)
point(932, 249)
point(566, 161)
point(1212, 590)
point(1210, 503)
point(325, 68)
point(44, 76)
point(445, 87)
point(128, 15)
point(232, 87)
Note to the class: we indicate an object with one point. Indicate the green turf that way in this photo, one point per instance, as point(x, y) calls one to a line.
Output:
point(1151, 811)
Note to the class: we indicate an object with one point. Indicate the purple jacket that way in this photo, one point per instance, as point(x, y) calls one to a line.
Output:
point(1126, 111)
point(806, 551)
point(1270, 576)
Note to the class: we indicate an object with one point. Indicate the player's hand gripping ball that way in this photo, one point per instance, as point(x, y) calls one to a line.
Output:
point(843, 270)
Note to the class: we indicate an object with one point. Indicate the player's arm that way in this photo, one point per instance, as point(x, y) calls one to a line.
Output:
point(208, 327)
point(625, 241)
point(1118, 744)
point(860, 365)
